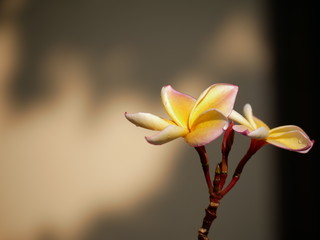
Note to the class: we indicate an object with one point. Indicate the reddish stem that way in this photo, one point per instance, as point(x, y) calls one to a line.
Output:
point(217, 179)
point(211, 214)
point(225, 150)
point(205, 167)
point(214, 199)
point(215, 191)
point(255, 145)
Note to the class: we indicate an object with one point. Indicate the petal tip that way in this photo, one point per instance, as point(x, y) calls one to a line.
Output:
point(247, 107)
point(307, 148)
point(127, 115)
point(149, 140)
point(235, 87)
point(165, 87)
point(241, 129)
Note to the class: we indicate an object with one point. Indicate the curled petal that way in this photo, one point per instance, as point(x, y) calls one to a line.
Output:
point(247, 111)
point(295, 140)
point(260, 123)
point(260, 133)
point(244, 130)
point(206, 128)
point(171, 132)
point(287, 128)
point(218, 96)
point(237, 117)
point(178, 105)
point(148, 120)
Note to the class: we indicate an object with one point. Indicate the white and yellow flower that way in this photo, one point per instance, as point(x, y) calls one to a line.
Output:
point(288, 137)
point(198, 121)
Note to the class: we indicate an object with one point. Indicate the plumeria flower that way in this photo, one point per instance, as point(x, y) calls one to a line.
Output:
point(288, 137)
point(198, 121)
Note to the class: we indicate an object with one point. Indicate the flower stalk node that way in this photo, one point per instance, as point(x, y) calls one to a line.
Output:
point(214, 204)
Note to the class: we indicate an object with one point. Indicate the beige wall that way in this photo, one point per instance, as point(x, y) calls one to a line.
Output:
point(71, 165)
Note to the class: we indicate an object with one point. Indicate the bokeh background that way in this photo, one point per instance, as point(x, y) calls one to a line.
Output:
point(73, 168)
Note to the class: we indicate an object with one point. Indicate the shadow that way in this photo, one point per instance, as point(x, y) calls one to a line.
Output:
point(72, 167)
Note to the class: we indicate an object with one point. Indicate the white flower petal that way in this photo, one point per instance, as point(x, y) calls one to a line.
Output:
point(166, 135)
point(247, 111)
point(260, 133)
point(147, 120)
point(237, 117)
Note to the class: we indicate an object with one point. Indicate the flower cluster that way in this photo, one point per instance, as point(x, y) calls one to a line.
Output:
point(200, 121)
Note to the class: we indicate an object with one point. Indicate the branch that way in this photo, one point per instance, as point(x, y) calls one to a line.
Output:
point(205, 167)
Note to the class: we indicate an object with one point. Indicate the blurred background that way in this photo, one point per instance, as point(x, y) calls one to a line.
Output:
point(73, 168)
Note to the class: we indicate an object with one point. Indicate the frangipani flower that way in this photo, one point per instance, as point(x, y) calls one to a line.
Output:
point(288, 137)
point(198, 121)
